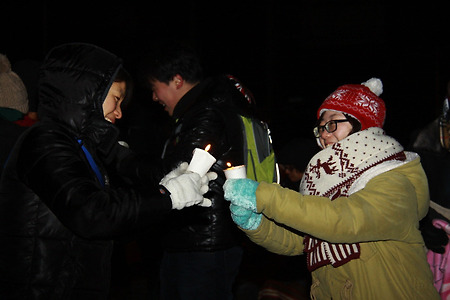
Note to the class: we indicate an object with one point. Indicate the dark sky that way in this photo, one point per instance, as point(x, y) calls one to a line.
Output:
point(290, 55)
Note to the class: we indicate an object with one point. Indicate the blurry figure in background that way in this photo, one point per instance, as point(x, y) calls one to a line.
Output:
point(28, 71)
point(13, 108)
point(59, 210)
point(13, 97)
point(293, 159)
point(432, 143)
point(358, 211)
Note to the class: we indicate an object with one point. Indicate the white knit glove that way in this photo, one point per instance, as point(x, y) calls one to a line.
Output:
point(181, 169)
point(187, 188)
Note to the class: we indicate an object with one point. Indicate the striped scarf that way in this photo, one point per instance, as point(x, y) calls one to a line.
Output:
point(339, 171)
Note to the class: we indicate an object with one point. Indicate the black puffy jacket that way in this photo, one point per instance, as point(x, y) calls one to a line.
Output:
point(57, 220)
point(207, 114)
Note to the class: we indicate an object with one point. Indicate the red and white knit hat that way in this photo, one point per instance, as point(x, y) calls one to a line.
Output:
point(360, 101)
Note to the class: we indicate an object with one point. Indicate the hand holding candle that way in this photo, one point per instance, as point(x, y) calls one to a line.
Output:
point(235, 172)
point(201, 161)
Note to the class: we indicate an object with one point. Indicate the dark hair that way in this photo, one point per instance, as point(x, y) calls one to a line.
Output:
point(356, 125)
point(123, 76)
point(169, 59)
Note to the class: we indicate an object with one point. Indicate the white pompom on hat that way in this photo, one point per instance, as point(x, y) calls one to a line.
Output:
point(360, 101)
point(13, 93)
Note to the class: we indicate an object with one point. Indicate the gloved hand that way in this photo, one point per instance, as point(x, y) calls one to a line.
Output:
point(435, 238)
point(181, 169)
point(187, 188)
point(241, 192)
point(245, 218)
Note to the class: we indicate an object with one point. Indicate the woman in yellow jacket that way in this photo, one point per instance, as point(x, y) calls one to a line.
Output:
point(357, 214)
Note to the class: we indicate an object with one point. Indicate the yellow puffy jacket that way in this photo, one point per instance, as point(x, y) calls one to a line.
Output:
point(383, 217)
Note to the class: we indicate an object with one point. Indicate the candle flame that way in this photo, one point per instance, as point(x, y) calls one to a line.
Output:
point(228, 164)
point(207, 147)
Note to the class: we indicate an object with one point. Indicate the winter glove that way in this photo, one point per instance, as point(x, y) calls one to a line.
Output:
point(181, 169)
point(435, 238)
point(187, 188)
point(245, 218)
point(241, 192)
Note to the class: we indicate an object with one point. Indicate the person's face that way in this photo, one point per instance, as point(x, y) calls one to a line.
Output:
point(342, 131)
point(165, 94)
point(111, 105)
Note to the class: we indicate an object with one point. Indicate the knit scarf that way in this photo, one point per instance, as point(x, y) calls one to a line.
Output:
point(339, 171)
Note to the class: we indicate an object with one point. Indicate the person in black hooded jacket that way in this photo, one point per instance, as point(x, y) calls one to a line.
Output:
point(202, 249)
point(59, 212)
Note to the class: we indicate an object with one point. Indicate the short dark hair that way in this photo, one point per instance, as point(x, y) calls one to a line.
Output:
point(168, 59)
point(123, 76)
point(356, 125)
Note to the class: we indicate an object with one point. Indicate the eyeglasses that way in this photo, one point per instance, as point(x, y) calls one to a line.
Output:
point(329, 126)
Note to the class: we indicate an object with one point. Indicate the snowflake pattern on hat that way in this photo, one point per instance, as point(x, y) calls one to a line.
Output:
point(360, 101)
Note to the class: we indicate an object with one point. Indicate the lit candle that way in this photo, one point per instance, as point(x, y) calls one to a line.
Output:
point(235, 172)
point(201, 161)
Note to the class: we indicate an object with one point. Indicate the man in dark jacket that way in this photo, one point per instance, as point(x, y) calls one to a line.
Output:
point(202, 251)
point(59, 212)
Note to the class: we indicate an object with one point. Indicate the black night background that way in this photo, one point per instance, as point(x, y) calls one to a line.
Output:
point(291, 55)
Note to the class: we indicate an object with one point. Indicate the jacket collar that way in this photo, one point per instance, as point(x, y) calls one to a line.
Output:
point(190, 98)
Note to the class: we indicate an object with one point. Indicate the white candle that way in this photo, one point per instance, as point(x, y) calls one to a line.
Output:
point(201, 161)
point(236, 172)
